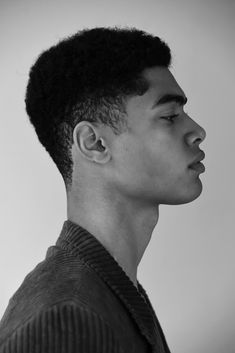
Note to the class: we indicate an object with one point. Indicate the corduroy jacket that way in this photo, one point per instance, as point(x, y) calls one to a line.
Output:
point(79, 300)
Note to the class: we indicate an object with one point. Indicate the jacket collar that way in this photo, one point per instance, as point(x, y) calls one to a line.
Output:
point(79, 241)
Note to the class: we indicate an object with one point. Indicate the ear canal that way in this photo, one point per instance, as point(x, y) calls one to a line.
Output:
point(100, 146)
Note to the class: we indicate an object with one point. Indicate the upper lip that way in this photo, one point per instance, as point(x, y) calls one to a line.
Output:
point(199, 158)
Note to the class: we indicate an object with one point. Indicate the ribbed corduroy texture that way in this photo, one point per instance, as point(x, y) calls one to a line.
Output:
point(80, 300)
point(63, 329)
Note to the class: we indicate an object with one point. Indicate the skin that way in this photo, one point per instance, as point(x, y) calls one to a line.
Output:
point(120, 181)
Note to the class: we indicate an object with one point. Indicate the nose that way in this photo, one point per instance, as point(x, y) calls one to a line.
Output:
point(196, 135)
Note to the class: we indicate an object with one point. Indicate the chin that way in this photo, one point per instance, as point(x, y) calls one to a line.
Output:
point(186, 196)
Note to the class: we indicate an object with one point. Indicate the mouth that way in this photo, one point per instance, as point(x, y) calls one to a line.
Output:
point(197, 166)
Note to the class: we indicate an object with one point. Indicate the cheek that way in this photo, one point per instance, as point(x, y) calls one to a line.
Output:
point(147, 157)
point(131, 161)
point(163, 160)
point(133, 158)
point(157, 157)
point(145, 163)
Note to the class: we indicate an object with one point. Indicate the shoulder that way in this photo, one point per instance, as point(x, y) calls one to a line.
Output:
point(63, 327)
point(57, 286)
point(64, 297)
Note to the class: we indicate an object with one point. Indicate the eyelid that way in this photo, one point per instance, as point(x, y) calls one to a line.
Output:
point(170, 117)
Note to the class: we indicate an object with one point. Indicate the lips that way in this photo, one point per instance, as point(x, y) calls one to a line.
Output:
point(199, 158)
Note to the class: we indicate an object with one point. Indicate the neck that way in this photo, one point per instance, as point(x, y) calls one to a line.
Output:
point(123, 227)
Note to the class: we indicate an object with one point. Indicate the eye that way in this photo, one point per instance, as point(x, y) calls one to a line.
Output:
point(170, 118)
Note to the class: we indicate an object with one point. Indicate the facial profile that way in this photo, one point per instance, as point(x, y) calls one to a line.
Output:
point(151, 160)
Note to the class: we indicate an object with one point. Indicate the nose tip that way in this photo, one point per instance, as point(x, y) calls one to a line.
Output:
point(203, 134)
point(200, 135)
point(196, 136)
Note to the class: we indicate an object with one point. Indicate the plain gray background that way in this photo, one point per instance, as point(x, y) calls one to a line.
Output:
point(188, 268)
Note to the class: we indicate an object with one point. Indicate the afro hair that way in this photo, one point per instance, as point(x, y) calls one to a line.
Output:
point(88, 76)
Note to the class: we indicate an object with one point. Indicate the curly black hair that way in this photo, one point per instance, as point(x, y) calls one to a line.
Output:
point(88, 76)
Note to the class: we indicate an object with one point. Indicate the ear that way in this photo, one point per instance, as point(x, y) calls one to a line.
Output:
point(90, 144)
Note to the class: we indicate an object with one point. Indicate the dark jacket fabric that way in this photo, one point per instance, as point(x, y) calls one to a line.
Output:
point(79, 300)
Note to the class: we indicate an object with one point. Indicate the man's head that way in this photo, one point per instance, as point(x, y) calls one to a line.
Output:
point(90, 100)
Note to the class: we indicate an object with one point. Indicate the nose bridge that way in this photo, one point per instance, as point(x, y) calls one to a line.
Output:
point(195, 132)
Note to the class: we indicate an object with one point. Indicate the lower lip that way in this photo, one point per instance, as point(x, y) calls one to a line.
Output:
point(198, 167)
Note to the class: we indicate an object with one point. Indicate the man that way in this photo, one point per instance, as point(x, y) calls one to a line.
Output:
point(111, 115)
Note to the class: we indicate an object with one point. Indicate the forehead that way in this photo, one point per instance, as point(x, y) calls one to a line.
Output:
point(161, 82)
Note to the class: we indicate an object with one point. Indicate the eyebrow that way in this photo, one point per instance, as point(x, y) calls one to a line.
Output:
point(168, 98)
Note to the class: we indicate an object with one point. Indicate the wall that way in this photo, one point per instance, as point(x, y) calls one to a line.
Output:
point(188, 268)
